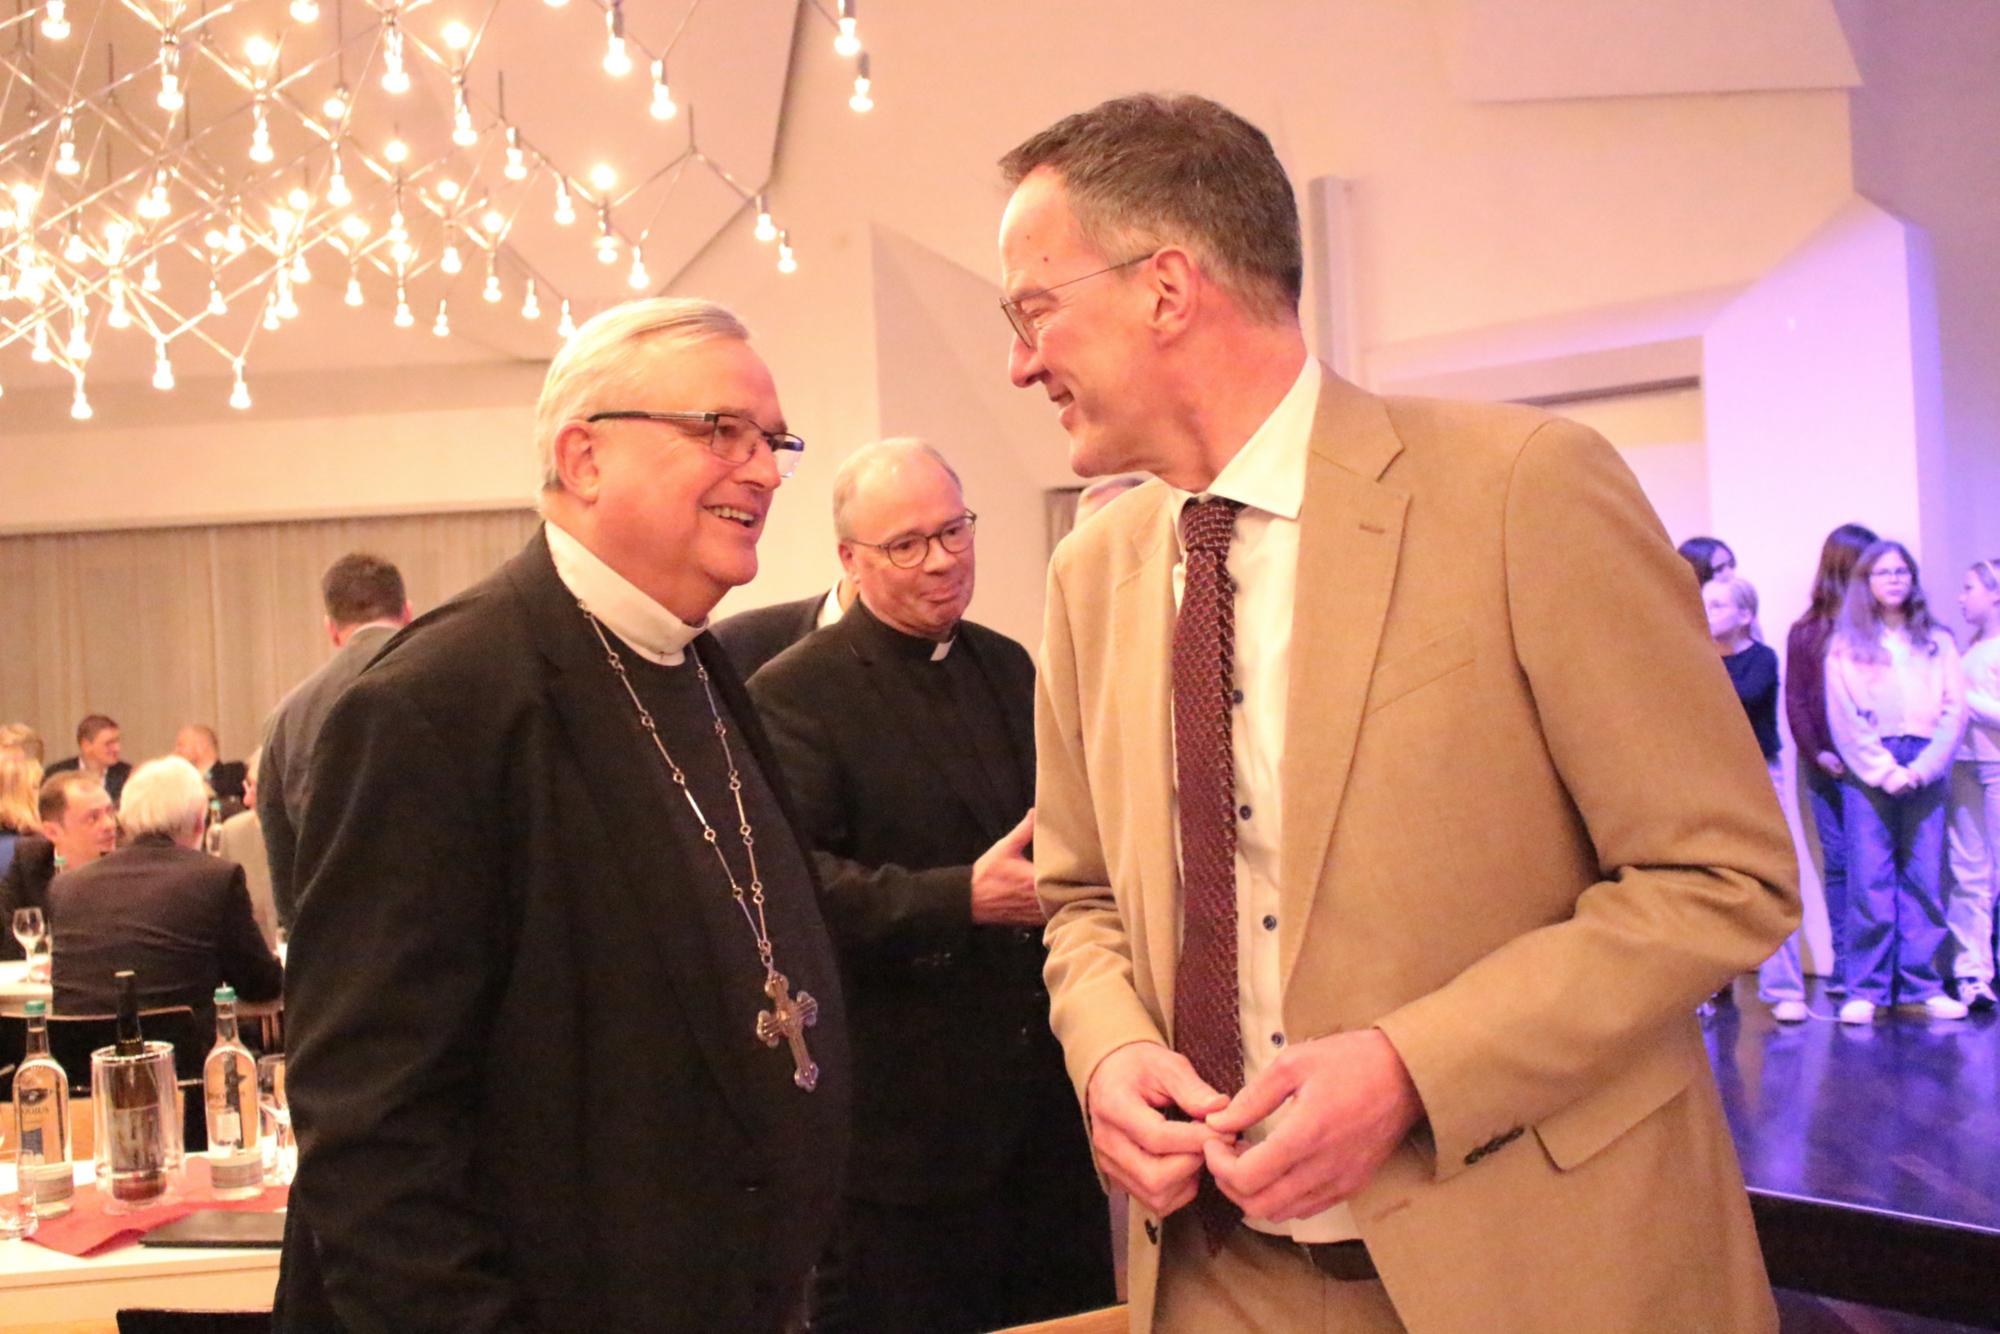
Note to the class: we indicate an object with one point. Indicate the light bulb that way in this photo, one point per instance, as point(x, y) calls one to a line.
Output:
point(288, 305)
point(335, 105)
point(259, 50)
point(353, 295)
point(298, 198)
point(232, 239)
point(397, 231)
point(555, 4)
point(404, 319)
point(78, 348)
point(607, 249)
point(396, 151)
point(305, 11)
point(66, 163)
point(282, 221)
point(861, 101)
point(163, 370)
point(617, 60)
point(79, 407)
point(301, 271)
point(451, 261)
point(354, 226)
point(74, 249)
point(441, 326)
point(271, 315)
point(847, 44)
point(664, 107)
point(447, 190)
point(150, 281)
point(118, 317)
point(565, 211)
point(239, 393)
point(457, 36)
point(462, 132)
point(494, 221)
point(260, 143)
point(637, 278)
point(603, 177)
point(216, 305)
point(786, 263)
point(55, 27)
point(41, 351)
point(767, 230)
point(566, 326)
point(170, 97)
point(116, 233)
point(517, 160)
point(337, 193)
point(395, 80)
point(401, 252)
point(531, 308)
point(492, 290)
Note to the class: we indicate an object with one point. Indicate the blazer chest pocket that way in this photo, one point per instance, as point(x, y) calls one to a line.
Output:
point(1416, 668)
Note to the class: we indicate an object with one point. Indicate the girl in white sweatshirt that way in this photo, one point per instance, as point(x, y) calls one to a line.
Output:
point(1973, 822)
point(1895, 705)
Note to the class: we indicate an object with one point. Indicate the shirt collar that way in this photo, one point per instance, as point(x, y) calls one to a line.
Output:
point(1269, 472)
point(653, 632)
point(830, 609)
point(915, 648)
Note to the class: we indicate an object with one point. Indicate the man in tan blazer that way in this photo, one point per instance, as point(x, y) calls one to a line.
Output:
point(1498, 822)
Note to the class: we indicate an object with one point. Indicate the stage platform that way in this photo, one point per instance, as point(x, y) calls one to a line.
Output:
point(1872, 1153)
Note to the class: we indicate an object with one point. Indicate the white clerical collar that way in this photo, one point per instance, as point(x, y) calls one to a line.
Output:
point(830, 611)
point(1269, 472)
point(653, 632)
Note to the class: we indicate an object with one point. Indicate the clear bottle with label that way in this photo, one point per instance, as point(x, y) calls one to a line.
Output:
point(211, 837)
point(137, 1110)
point(229, 1089)
point(41, 1121)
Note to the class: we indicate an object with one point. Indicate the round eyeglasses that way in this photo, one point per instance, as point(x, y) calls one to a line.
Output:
point(731, 436)
point(908, 551)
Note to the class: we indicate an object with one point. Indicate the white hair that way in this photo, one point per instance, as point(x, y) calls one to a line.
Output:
point(163, 796)
point(595, 354)
point(848, 476)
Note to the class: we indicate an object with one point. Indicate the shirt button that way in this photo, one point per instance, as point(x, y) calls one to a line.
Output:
point(1270, 922)
point(1236, 696)
point(1277, 1039)
point(1242, 812)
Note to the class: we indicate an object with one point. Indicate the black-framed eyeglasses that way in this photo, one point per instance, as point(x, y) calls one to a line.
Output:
point(732, 437)
point(1024, 323)
point(909, 551)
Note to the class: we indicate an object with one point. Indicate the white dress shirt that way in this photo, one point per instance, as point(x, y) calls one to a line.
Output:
point(1268, 475)
point(653, 632)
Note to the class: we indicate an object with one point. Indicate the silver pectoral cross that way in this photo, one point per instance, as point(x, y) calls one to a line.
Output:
point(788, 1019)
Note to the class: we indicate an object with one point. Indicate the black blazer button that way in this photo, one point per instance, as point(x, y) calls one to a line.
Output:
point(1152, 1232)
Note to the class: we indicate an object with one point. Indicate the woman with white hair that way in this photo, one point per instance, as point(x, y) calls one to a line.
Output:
point(178, 919)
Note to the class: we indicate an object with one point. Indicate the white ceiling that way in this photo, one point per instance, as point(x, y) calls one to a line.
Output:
point(727, 64)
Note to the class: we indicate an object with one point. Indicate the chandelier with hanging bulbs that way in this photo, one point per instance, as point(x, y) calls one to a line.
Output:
point(186, 193)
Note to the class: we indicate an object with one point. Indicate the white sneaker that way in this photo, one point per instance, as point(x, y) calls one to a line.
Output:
point(1858, 1012)
point(1790, 1012)
point(1944, 1007)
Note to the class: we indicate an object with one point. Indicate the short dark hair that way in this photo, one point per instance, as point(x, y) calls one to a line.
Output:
point(1160, 170)
point(92, 724)
point(359, 588)
point(53, 800)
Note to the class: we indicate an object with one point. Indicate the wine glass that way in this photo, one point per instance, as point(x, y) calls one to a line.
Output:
point(277, 1112)
point(29, 928)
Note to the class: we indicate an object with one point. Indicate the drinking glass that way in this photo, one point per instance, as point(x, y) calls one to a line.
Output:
point(29, 928)
point(277, 1114)
point(17, 1208)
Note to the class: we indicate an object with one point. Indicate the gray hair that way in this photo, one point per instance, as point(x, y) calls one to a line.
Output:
point(1148, 171)
point(163, 796)
point(595, 354)
point(853, 469)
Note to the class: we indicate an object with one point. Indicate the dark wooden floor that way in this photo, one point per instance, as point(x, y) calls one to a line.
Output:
point(1883, 1139)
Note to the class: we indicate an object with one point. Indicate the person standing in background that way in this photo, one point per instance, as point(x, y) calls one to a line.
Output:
point(1895, 704)
point(1973, 824)
point(1731, 604)
point(1805, 711)
point(1710, 558)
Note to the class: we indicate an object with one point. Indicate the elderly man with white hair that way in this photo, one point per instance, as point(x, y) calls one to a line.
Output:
point(567, 1042)
point(177, 918)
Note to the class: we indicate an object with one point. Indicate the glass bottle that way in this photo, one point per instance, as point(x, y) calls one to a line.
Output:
point(41, 1120)
point(229, 1088)
point(211, 837)
point(132, 1085)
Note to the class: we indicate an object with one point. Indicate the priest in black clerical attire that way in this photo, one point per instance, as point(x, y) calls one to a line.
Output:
point(568, 1046)
point(905, 733)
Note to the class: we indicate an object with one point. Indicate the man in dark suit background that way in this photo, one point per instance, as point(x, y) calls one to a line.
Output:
point(905, 733)
point(752, 638)
point(99, 753)
point(197, 744)
point(79, 825)
point(365, 606)
point(179, 919)
point(549, 1067)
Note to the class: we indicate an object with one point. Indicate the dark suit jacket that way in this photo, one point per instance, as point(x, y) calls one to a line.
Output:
point(525, 1079)
point(26, 885)
point(114, 777)
point(178, 918)
point(950, 1020)
point(285, 769)
point(752, 638)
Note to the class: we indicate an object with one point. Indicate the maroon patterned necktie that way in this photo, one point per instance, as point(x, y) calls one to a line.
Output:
point(1206, 1027)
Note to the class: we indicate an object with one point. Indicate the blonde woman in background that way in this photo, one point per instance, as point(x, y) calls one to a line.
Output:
point(20, 782)
point(1895, 704)
point(1973, 823)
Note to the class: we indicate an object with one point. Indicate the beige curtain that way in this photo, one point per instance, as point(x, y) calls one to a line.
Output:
point(163, 627)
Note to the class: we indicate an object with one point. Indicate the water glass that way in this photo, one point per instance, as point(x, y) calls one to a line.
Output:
point(283, 1163)
point(17, 1209)
point(29, 927)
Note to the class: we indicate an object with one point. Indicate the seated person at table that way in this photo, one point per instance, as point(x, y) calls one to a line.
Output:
point(243, 843)
point(20, 780)
point(99, 753)
point(196, 744)
point(78, 826)
point(179, 919)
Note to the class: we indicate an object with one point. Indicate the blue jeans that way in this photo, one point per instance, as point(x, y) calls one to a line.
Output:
point(1829, 816)
point(1778, 977)
point(1895, 918)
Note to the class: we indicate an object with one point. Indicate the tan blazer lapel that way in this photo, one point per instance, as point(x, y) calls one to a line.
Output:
point(1351, 530)
point(1142, 615)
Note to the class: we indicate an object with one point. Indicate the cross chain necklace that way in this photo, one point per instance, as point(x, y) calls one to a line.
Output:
point(789, 1016)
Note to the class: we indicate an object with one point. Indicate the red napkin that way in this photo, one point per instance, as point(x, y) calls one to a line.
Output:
point(87, 1228)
